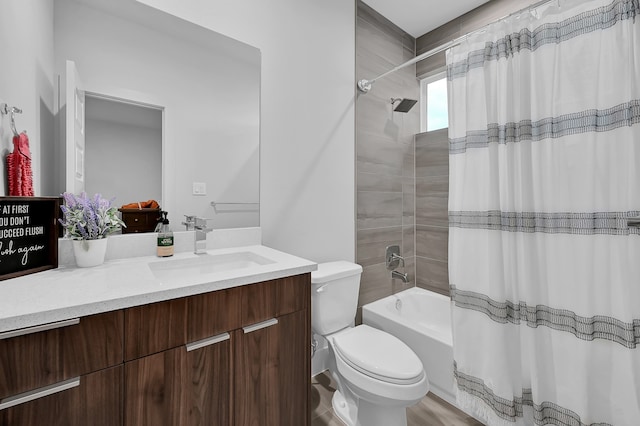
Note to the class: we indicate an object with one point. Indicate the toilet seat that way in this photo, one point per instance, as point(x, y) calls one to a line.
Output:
point(378, 355)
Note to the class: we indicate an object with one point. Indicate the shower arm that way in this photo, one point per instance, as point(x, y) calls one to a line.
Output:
point(365, 85)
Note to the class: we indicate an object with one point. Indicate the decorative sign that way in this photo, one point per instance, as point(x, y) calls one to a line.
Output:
point(28, 235)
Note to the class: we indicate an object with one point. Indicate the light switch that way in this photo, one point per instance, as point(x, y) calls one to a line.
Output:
point(199, 188)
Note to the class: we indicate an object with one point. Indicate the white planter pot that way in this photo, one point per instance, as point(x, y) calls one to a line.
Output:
point(89, 252)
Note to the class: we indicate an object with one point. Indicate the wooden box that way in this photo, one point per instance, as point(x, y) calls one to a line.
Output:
point(139, 220)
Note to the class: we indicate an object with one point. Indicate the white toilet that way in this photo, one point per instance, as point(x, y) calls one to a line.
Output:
point(377, 375)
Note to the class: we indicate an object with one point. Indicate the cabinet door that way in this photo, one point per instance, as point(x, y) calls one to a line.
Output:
point(272, 372)
point(94, 399)
point(59, 351)
point(189, 385)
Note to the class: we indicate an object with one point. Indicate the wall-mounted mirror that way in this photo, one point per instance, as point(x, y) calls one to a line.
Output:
point(205, 89)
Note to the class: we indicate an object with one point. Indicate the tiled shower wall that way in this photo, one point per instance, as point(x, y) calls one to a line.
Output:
point(432, 197)
point(402, 176)
point(385, 181)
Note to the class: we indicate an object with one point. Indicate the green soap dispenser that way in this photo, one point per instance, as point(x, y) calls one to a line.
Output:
point(165, 238)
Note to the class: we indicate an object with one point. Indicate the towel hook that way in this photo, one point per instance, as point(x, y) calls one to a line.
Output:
point(5, 109)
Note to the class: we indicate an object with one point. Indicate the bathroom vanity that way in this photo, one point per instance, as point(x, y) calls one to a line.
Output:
point(128, 343)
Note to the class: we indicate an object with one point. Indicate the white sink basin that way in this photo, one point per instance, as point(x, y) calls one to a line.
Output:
point(205, 264)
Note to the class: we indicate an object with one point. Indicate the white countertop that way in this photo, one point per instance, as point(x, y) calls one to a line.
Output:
point(71, 292)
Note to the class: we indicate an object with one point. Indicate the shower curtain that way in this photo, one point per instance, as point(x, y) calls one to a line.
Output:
point(544, 172)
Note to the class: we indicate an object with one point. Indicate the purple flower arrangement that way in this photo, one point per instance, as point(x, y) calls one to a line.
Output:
point(87, 218)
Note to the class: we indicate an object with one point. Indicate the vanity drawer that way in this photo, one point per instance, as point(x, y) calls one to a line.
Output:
point(213, 313)
point(67, 349)
point(270, 299)
point(94, 399)
point(155, 328)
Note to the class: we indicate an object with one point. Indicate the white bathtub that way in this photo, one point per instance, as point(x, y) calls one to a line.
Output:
point(421, 319)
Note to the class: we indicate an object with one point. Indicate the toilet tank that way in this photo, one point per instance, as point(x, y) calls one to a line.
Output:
point(334, 296)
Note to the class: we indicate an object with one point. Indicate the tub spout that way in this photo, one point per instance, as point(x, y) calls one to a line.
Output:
point(400, 275)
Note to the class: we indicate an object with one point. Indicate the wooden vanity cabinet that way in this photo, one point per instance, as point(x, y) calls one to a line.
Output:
point(63, 373)
point(232, 357)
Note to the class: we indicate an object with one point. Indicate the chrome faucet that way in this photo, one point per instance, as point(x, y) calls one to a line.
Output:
point(403, 277)
point(199, 225)
point(190, 222)
point(201, 235)
point(393, 260)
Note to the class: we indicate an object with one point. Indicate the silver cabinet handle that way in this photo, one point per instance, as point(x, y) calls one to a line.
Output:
point(208, 341)
point(37, 328)
point(38, 393)
point(260, 325)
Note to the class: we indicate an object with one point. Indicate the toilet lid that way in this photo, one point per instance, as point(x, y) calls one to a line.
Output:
point(378, 354)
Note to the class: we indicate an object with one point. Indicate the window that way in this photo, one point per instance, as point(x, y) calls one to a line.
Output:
point(433, 93)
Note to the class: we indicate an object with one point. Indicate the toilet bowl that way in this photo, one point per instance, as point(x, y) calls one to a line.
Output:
point(377, 375)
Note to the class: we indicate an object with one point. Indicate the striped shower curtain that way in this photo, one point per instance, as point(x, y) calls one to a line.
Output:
point(544, 172)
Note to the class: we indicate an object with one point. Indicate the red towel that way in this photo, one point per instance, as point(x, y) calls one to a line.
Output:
point(19, 167)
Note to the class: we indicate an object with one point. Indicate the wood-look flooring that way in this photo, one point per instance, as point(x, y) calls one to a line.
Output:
point(431, 411)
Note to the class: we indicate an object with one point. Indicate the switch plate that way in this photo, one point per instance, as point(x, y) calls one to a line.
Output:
point(199, 188)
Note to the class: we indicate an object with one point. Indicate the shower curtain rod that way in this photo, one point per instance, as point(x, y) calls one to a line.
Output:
point(365, 85)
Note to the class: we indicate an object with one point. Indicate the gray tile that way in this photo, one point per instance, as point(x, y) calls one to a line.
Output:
point(440, 35)
point(380, 155)
point(358, 320)
point(372, 243)
point(375, 284)
point(408, 201)
point(432, 275)
point(432, 199)
point(432, 185)
point(432, 154)
point(371, 115)
point(382, 28)
point(377, 182)
point(432, 242)
point(372, 43)
point(379, 209)
point(328, 418)
point(435, 287)
point(431, 66)
point(322, 389)
point(409, 162)
point(408, 241)
point(434, 411)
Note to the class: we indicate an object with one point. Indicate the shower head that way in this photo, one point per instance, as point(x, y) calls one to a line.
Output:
point(405, 104)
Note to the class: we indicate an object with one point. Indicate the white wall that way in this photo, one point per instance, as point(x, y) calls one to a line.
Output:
point(26, 81)
point(208, 86)
point(307, 146)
